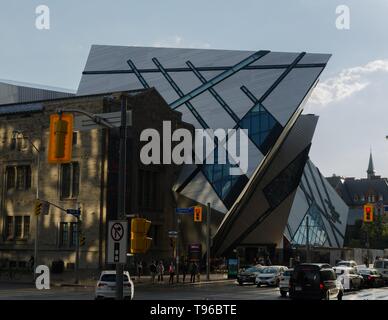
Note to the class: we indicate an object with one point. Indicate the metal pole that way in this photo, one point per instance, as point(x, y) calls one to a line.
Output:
point(121, 188)
point(36, 244)
point(307, 240)
point(177, 251)
point(76, 267)
point(208, 219)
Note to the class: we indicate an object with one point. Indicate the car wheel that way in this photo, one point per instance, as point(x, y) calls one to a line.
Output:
point(283, 293)
point(339, 297)
point(351, 285)
point(277, 282)
point(258, 285)
point(240, 283)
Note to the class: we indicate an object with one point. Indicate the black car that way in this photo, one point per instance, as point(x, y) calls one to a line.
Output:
point(372, 278)
point(315, 281)
point(248, 275)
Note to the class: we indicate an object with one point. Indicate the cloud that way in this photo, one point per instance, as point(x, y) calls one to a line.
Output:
point(346, 83)
point(178, 42)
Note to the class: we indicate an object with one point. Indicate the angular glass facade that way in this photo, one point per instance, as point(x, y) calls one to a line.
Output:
point(317, 231)
point(263, 129)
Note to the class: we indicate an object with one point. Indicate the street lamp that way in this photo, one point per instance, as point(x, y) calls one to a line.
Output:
point(15, 135)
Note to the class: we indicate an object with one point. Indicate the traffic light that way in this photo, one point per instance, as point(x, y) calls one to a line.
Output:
point(140, 243)
point(38, 207)
point(368, 213)
point(197, 214)
point(61, 138)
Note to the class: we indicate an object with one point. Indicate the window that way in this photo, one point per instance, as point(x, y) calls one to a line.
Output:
point(9, 227)
point(63, 234)
point(263, 129)
point(73, 234)
point(18, 177)
point(287, 181)
point(69, 180)
point(75, 137)
point(17, 227)
point(371, 198)
point(26, 227)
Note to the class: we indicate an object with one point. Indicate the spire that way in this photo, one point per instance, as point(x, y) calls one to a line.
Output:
point(371, 169)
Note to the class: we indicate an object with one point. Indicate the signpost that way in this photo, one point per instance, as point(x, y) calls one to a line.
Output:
point(117, 241)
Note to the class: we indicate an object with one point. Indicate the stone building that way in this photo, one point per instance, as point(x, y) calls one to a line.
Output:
point(89, 181)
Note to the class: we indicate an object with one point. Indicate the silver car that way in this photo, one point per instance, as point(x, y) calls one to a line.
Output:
point(270, 275)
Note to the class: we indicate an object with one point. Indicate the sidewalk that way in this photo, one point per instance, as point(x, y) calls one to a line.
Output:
point(89, 279)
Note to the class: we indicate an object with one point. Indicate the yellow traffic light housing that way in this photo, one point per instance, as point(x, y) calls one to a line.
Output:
point(368, 213)
point(140, 243)
point(61, 138)
point(198, 214)
point(38, 207)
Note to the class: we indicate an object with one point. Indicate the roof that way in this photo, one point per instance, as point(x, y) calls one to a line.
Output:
point(361, 187)
point(38, 106)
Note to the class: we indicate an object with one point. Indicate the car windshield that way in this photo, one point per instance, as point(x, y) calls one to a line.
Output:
point(252, 269)
point(381, 264)
point(269, 270)
point(346, 264)
point(327, 275)
point(112, 278)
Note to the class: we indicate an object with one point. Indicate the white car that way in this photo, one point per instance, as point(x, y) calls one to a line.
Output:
point(284, 284)
point(349, 277)
point(381, 266)
point(106, 285)
point(270, 275)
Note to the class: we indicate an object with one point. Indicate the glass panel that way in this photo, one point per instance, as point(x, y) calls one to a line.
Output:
point(64, 234)
point(263, 129)
point(9, 226)
point(21, 178)
point(287, 181)
point(26, 227)
point(10, 175)
point(75, 181)
point(18, 227)
point(73, 234)
point(65, 180)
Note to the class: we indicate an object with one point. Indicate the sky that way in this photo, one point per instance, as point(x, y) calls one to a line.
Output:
point(350, 97)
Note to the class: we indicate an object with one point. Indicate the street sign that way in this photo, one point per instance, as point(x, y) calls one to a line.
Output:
point(84, 123)
point(173, 234)
point(184, 210)
point(117, 241)
point(74, 212)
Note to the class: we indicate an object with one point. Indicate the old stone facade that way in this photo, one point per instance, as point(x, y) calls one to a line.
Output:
point(90, 181)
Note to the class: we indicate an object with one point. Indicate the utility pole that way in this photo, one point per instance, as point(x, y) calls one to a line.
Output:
point(307, 240)
point(121, 189)
point(208, 219)
point(77, 247)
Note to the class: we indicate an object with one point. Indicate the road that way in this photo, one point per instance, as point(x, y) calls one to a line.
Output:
point(214, 291)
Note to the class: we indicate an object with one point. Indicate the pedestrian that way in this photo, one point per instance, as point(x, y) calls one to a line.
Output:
point(193, 271)
point(171, 272)
point(31, 263)
point(160, 270)
point(139, 269)
point(153, 271)
point(184, 270)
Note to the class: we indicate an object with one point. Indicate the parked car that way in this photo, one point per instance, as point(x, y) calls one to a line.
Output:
point(381, 266)
point(349, 277)
point(270, 275)
point(106, 285)
point(347, 263)
point(372, 278)
point(315, 281)
point(248, 275)
point(284, 283)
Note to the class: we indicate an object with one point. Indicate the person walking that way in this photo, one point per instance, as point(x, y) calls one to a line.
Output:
point(139, 269)
point(193, 272)
point(184, 270)
point(171, 272)
point(153, 271)
point(160, 270)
